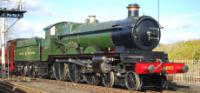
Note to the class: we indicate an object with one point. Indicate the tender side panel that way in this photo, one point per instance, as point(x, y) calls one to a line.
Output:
point(28, 50)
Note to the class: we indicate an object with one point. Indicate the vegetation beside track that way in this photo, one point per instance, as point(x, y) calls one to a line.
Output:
point(188, 50)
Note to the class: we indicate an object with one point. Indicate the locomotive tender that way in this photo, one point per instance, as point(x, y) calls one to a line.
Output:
point(110, 53)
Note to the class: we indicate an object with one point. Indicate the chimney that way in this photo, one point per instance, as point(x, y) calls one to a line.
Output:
point(133, 10)
point(91, 19)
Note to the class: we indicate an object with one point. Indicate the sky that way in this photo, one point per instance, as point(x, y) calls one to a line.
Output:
point(180, 18)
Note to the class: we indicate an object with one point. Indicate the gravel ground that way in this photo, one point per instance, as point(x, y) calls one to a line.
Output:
point(52, 86)
point(188, 88)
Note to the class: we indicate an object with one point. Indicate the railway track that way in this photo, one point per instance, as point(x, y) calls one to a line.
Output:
point(73, 87)
point(11, 87)
point(54, 86)
point(6, 87)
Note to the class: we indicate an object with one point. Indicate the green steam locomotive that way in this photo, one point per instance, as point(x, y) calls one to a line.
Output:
point(107, 53)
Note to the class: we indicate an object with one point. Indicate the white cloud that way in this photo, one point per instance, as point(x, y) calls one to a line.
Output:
point(34, 7)
point(26, 29)
point(176, 27)
point(171, 37)
point(180, 28)
point(37, 7)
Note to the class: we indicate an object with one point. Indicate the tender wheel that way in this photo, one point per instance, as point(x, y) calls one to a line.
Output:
point(59, 71)
point(108, 79)
point(39, 72)
point(74, 73)
point(34, 71)
point(132, 81)
point(25, 70)
point(20, 69)
point(91, 78)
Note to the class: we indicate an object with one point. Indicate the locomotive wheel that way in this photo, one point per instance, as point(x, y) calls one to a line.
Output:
point(91, 78)
point(63, 71)
point(132, 81)
point(74, 73)
point(59, 71)
point(108, 79)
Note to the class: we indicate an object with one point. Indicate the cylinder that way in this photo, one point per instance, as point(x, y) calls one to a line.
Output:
point(100, 64)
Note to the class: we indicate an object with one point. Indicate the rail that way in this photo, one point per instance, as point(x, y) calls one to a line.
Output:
point(7, 87)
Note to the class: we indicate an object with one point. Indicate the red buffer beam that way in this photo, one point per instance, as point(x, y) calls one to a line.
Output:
point(160, 67)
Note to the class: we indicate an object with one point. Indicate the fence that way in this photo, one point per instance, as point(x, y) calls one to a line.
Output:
point(192, 76)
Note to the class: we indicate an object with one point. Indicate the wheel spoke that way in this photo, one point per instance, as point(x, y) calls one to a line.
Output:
point(59, 71)
point(74, 73)
point(108, 79)
point(91, 78)
point(132, 81)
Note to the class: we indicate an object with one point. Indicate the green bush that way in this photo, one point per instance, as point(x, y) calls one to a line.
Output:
point(182, 50)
